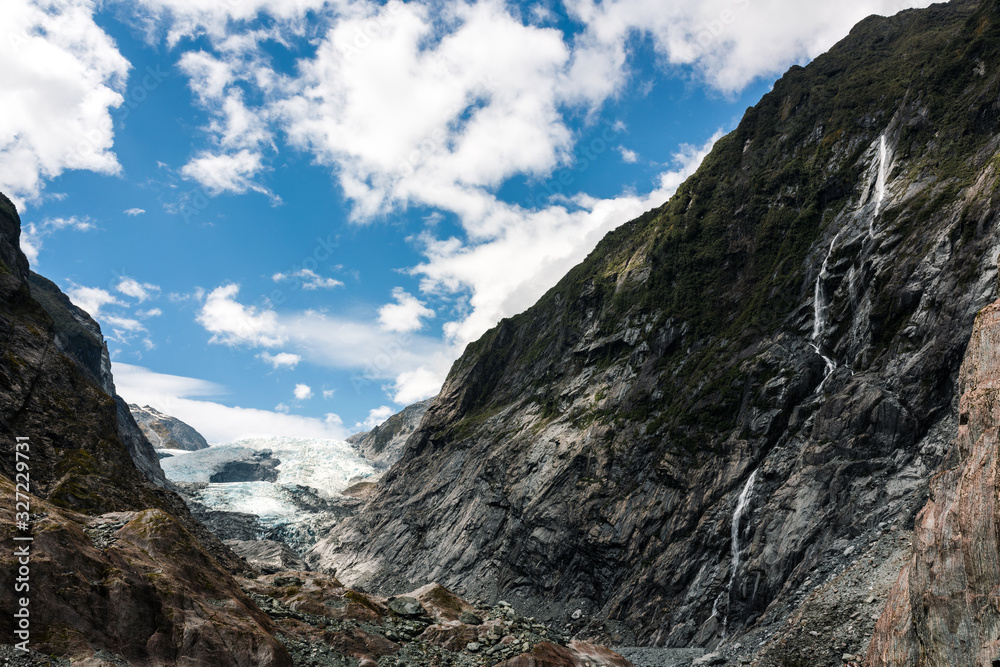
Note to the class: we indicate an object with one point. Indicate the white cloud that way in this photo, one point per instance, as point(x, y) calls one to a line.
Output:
point(628, 156)
point(333, 419)
point(146, 314)
point(421, 116)
point(32, 234)
point(307, 279)
point(418, 384)
point(134, 211)
point(328, 394)
point(282, 359)
point(375, 417)
point(183, 397)
point(133, 288)
point(226, 172)
point(303, 392)
point(124, 324)
point(61, 74)
point(405, 315)
point(92, 299)
point(728, 42)
point(232, 323)
point(411, 362)
point(187, 18)
point(282, 408)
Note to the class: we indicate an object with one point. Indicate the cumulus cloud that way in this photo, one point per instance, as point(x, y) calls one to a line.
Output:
point(133, 288)
point(226, 172)
point(280, 360)
point(185, 398)
point(134, 211)
point(232, 323)
point(61, 75)
point(307, 279)
point(375, 417)
point(373, 354)
point(405, 315)
point(418, 384)
point(628, 156)
point(728, 42)
point(303, 392)
point(33, 234)
point(92, 299)
point(425, 117)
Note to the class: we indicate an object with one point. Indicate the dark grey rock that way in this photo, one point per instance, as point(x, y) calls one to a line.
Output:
point(262, 467)
point(406, 606)
point(469, 618)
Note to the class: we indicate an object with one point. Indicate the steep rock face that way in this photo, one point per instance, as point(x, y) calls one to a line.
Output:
point(54, 389)
point(943, 610)
point(383, 445)
point(119, 567)
point(736, 385)
point(166, 432)
point(78, 336)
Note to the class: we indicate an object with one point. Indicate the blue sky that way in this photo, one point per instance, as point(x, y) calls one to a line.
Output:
point(291, 216)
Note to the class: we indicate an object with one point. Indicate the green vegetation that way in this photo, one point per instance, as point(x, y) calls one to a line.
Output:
point(733, 254)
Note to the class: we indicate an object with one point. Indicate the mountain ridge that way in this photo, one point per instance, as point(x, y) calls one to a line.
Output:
point(590, 452)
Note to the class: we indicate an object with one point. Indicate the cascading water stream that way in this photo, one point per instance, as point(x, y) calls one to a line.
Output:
point(741, 504)
point(819, 313)
point(883, 174)
point(819, 298)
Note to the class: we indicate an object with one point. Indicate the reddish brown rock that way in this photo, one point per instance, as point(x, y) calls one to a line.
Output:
point(577, 654)
point(945, 608)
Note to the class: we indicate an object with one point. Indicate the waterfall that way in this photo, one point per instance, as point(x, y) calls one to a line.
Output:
point(883, 174)
point(820, 304)
point(819, 313)
point(741, 504)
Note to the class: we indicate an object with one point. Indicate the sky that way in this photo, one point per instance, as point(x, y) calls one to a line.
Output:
point(290, 217)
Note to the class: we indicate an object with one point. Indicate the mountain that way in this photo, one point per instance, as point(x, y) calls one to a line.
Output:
point(166, 432)
point(729, 412)
point(383, 445)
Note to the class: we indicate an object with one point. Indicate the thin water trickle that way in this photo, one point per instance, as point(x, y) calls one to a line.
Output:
point(819, 312)
point(741, 504)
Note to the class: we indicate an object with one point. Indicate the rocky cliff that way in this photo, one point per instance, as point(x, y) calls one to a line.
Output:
point(166, 432)
point(943, 609)
point(736, 394)
point(384, 444)
point(119, 570)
